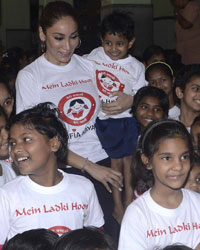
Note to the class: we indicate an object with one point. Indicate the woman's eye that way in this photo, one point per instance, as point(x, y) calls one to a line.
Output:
point(8, 101)
point(195, 89)
point(74, 36)
point(58, 38)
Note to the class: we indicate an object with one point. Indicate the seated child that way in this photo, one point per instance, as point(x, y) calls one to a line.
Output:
point(43, 196)
point(187, 88)
point(153, 221)
point(85, 239)
point(160, 75)
point(7, 173)
point(153, 53)
point(35, 239)
point(117, 70)
point(193, 181)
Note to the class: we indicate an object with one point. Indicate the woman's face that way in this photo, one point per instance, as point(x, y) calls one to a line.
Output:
point(61, 40)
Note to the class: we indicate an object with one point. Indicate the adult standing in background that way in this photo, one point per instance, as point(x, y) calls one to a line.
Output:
point(187, 27)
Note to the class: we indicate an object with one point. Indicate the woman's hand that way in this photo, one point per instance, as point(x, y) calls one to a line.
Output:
point(105, 175)
point(122, 103)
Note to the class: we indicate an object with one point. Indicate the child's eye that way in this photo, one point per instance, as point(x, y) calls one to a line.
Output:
point(120, 43)
point(8, 101)
point(27, 139)
point(144, 106)
point(198, 179)
point(58, 38)
point(196, 89)
point(158, 109)
point(152, 83)
point(166, 158)
point(185, 157)
point(12, 144)
point(107, 43)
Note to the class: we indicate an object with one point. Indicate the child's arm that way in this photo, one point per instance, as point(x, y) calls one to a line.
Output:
point(103, 174)
point(198, 247)
point(123, 103)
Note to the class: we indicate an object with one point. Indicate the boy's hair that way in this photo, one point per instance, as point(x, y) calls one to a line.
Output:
point(35, 239)
point(154, 92)
point(153, 135)
point(166, 68)
point(185, 74)
point(85, 239)
point(44, 118)
point(118, 23)
point(151, 51)
point(177, 247)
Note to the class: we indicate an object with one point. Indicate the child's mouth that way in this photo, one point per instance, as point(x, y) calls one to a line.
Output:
point(21, 159)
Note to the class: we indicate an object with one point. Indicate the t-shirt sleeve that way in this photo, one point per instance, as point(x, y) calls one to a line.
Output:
point(27, 94)
point(94, 215)
point(132, 233)
point(140, 81)
point(4, 217)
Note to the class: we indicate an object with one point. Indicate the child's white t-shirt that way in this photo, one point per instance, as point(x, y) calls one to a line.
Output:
point(126, 75)
point(72, 88)
point(69, 205)
point(8, 173)
point(147, 225)
point(174, 112)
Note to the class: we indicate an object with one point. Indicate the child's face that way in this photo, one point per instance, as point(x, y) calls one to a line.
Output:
point(6, 100)
point(158, 78)
point(190, 98)
point(32, 152)
point(148, 110)
point(195, 130)
point(4, 153)
point(155, 58)
point(170, 164)
point(193, 182)
point(116, 46)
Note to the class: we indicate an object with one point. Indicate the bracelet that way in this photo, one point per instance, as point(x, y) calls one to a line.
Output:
point(84, 165)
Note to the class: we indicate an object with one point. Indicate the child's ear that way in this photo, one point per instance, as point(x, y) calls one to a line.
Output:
point(130, 44)
point(55, 143)
point(145, 161)
point(41, 34)
point(179, 92)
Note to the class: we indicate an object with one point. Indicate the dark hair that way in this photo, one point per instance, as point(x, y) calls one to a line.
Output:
point(85, 239)
point(177, 247)
point(35, 239)
point(3, 113)
point(185, 74)
point(54, 11)
point(151, 51)
point(118, 23)
point(196, 120)
point(161, 66)
point(154, 92)
point(44, 118)
point(149, 143)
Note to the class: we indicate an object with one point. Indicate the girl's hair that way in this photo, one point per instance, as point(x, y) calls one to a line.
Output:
point(177, 247)
point(163, 66)
point(85, 239)
point(185, 74)
point(151, 51)
point(44, 118)
point(54, 11)
point(196, 120)
point(118, 23)
point(153, 135)
point(154, 92)
point(35, 239)
point(3, 114)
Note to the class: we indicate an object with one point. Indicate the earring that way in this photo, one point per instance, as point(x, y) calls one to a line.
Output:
point(43, 46)
point(79, 45)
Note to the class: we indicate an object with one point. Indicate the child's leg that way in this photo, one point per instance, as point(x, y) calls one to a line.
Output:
point(128, 190)
point(117, 164)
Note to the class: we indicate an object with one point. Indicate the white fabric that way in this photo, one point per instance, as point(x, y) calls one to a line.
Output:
point(69, 205)
point(174, 112)
point(42, 81)
point(8, 173)
point(147, 225)
point(126, 75)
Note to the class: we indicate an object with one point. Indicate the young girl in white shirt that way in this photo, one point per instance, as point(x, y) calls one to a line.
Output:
point(166, 213)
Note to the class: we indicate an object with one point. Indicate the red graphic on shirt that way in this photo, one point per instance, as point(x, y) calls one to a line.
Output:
point(107, 82)
point(77, 108)
point(60, 230)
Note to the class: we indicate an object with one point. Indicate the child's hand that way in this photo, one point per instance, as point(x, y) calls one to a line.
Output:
point(105, 176)
point(122, 103)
